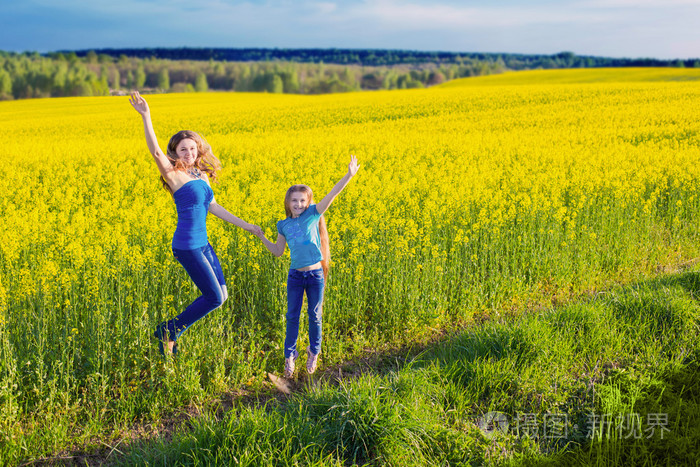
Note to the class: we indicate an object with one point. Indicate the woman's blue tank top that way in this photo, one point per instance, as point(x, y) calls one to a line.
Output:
point(192, 202)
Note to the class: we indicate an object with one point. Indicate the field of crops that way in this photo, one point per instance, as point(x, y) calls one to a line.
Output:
point(471, 200)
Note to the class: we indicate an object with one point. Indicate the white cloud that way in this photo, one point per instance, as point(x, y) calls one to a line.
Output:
point(634, 4)
point(414, 15)
point(325, 8)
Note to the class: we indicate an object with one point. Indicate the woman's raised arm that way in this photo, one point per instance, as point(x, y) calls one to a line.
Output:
point(141, 106)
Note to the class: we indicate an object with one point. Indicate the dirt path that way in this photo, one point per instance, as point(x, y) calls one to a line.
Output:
point(276, 388)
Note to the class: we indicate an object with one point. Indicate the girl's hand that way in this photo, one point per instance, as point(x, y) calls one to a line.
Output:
point(353, 167)
point(139, 103)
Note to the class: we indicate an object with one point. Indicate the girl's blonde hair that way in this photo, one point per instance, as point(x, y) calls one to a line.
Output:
point(322, 230)
point(206, 161)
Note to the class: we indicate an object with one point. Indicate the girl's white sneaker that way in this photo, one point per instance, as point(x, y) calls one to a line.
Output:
point(289, 364)
point(312, 361)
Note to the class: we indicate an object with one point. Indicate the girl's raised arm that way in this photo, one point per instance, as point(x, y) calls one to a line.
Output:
point(141, 106)
point(353, 167)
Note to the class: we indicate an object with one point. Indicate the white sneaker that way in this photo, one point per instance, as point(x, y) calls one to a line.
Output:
point(289, 364)
point(312, 361)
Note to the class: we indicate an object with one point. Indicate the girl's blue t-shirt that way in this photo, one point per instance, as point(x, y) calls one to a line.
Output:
point(302, 237)
point(192, 202)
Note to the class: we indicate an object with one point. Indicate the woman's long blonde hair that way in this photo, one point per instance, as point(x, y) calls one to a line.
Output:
point(206, 160)
point(322, 230)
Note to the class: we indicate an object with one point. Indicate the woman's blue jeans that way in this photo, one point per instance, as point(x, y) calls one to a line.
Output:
point(205, 271)
point(312, 283)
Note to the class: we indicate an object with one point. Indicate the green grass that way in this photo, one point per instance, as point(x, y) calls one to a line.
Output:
point(629, 356)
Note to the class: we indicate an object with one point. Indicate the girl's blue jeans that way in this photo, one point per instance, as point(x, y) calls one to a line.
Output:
point(205, 271)
point(312, 283)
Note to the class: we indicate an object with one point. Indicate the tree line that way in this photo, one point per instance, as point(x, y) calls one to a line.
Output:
point(304, 71)
point(382, 57)
point(60, 74)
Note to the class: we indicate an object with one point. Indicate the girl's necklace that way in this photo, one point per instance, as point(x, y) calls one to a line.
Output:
point(194, 172)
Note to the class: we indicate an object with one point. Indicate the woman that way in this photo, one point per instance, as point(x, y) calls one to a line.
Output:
point(186, 171)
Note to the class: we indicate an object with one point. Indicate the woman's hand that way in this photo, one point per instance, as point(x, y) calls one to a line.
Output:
point(254, 229)
point(353, 166)
point(139, 103)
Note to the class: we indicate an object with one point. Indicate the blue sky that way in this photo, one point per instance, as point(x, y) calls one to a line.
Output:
point(612, 28)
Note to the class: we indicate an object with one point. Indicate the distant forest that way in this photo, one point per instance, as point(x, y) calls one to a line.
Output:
point(301, 71)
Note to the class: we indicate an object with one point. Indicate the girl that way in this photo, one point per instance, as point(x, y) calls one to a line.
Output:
point(305, 231)
point(185, 172)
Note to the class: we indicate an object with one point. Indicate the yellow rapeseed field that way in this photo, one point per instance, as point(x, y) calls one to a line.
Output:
point(472, 194)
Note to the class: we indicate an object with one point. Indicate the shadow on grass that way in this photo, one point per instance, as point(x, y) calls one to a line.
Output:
point(662, 429)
